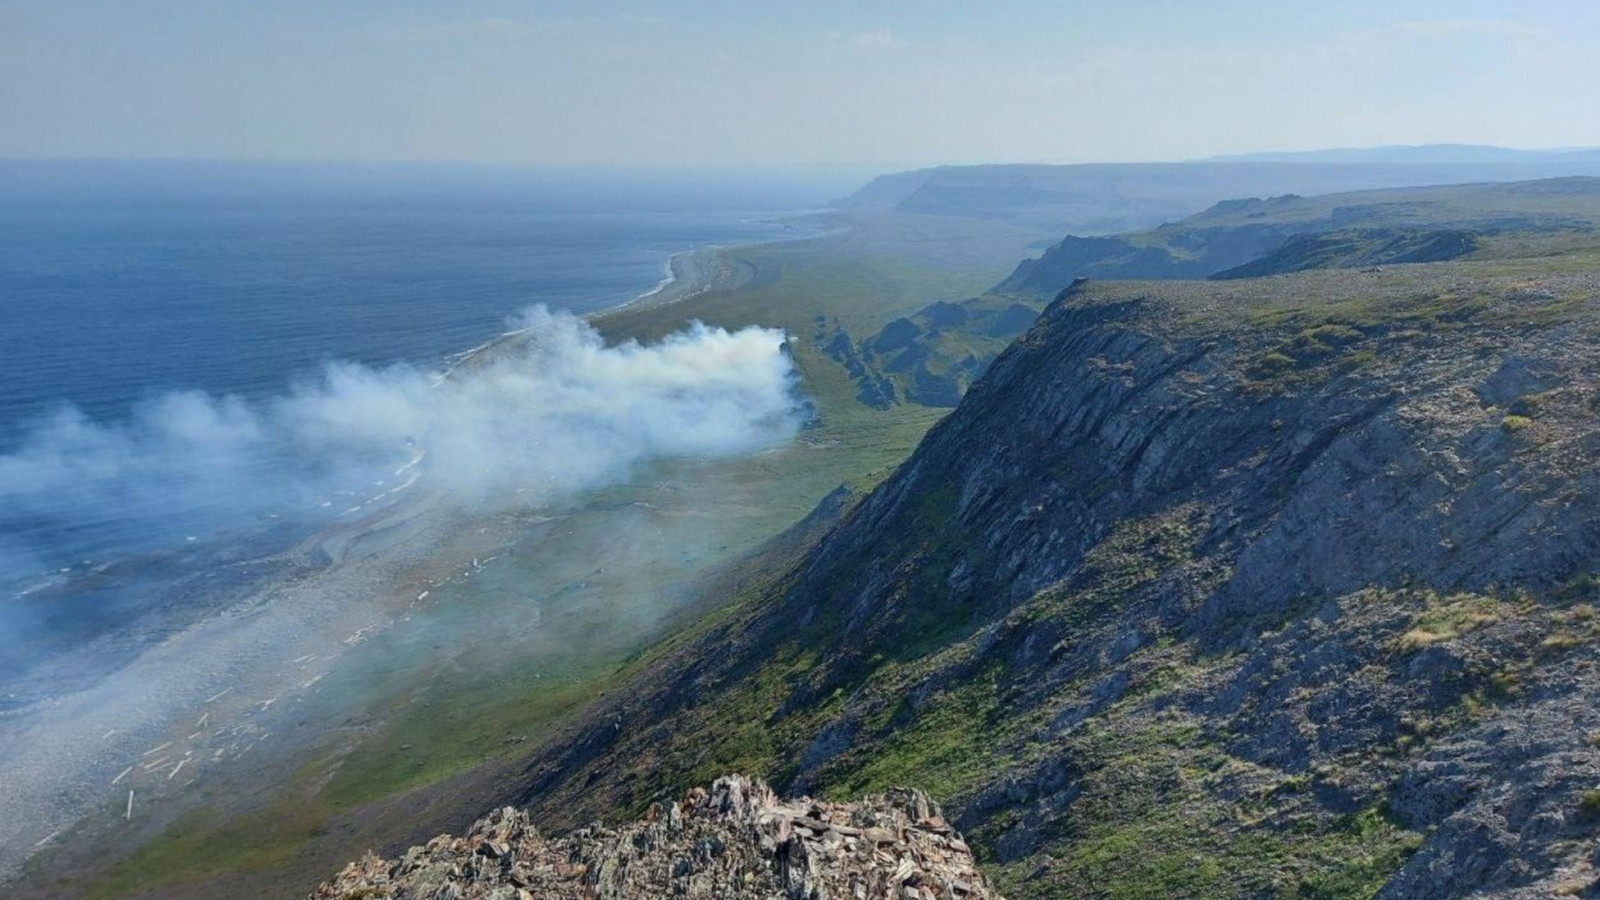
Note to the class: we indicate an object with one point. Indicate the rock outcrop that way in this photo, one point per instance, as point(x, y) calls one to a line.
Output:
point(736, 840)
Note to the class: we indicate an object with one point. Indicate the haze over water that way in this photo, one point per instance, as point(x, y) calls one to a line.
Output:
point(123, 280)
point(229, 445)
point(168, 326)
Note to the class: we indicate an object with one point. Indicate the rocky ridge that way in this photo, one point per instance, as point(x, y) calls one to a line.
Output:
point(737, 839)
point(1271, 588)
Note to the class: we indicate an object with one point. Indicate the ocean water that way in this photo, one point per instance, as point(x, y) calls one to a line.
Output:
point(150, 311)
point(121, 282)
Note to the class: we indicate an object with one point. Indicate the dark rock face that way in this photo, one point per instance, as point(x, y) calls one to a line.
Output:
point(1356, 249)
point(1012, 321)
point(1116, 257)
point(1229, 589)
point(736, 840)
point(897, 335)
point(931, 357)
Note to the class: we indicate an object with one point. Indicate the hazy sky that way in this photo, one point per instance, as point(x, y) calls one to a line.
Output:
point(745, 82)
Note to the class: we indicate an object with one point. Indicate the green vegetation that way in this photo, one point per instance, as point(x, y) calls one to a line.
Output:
point(1515, 423)
point(1449, 617)
point(441, 732)
point(1149, 814)
point(190, 848)
point(1150, 822)
point(1589, 802)
point(975, 694)
point(1092, 743)
point(947, 746)
point(1274, 363)
point(1099, 742)
point(1531, 405)
point(430, 718)
point(1561, 642)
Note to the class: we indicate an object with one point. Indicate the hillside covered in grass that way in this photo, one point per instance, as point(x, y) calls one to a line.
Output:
point(1256, 237)
point(1266, 588)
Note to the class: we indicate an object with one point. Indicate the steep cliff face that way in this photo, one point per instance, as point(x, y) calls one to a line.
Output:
point(931, 357)
point(1282, 540)
point(1269, 588)
point(1333, 454)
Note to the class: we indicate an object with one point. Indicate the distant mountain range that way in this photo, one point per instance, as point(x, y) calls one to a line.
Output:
point(1109, 198)
point(1255, 237)
point(1421, 154)
point(932, 356)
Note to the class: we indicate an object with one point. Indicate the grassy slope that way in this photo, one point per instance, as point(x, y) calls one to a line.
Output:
point(794, 287)
point(1534, 218)
point(947, 699)
point(444, 721)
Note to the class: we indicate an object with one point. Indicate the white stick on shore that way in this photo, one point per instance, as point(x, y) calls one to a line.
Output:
point(129, 815)
point(122, 776)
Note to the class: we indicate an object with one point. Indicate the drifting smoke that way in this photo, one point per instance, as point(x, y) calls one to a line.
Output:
point(531, 423)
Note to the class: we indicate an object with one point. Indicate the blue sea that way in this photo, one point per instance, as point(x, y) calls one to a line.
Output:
point(201, 291)
point(121, 281)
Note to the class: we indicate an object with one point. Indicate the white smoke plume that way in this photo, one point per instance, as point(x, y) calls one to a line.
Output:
point(554, 413)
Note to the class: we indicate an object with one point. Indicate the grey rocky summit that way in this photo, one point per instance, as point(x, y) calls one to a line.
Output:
point(736, 840)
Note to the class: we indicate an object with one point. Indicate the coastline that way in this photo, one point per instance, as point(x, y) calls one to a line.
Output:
point(392, 553)
point(691, 273)
point(688, 274)
point(558, 604)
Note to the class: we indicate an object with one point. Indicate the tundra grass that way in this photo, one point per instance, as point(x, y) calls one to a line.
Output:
point(426, 723)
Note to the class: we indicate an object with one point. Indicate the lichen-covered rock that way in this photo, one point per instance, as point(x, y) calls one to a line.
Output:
point(736, 840)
